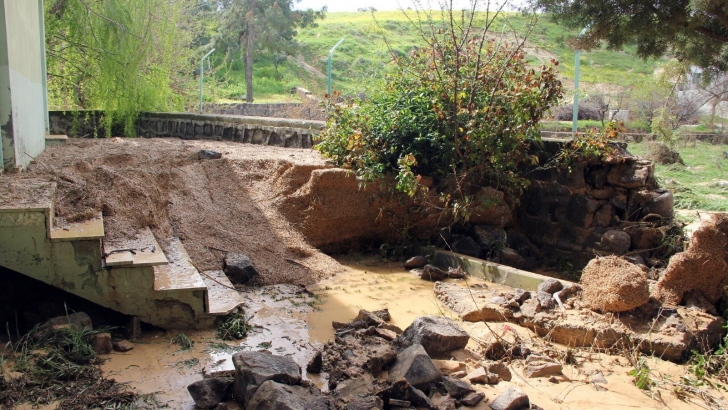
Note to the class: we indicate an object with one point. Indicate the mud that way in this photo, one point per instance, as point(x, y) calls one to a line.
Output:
point(294, 321)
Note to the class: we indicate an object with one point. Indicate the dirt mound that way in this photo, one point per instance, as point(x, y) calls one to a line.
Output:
point(703, 267)
point(662, 154)
point(612, 284)
point(213, 206)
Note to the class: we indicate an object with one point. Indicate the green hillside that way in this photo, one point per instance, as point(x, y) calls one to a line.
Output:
point(361, 62)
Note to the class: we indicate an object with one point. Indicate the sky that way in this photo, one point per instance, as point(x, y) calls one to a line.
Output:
point(382, 5)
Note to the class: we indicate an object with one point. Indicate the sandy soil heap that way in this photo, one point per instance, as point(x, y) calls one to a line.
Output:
point(703, 267)
point(213, 206)
point(612, 284)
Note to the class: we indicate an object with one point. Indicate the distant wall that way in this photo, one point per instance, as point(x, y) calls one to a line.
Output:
point(22, 103)
point(254, 130)
point(308, 111)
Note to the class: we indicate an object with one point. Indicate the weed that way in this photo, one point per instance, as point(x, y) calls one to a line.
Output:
point(183, 340)
point(234, 327)
point(642, 375)
point(188, 363)
point(265, 345)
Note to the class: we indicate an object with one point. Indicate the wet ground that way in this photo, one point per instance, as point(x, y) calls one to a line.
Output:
point(295, 321)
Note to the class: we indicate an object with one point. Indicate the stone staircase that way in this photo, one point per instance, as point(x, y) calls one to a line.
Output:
point(134, 277)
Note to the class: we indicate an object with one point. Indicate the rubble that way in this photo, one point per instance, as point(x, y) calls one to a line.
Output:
point(436, 334)
point(612, 284)
point(208, 393)
point(511, 399)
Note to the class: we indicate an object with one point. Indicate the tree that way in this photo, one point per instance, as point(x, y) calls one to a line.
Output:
point(118, 56)
point(269, 25)
point(693, 31)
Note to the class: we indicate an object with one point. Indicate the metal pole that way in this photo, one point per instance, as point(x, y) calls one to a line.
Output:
point(331, 54)
point(202, 74)
point(575, 117)
point(577, 69)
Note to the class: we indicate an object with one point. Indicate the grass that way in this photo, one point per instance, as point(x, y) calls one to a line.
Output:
point(697, 184)
point(183, 341)
point(361, 62)
point(234, 327)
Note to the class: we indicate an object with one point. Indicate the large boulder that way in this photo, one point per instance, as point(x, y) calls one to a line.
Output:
point(616, 242)
point(276, 396)
point(75, 322)
point(252, 369)
point(414, 365)
point(490, 208)
point(612, 284)
point(208, 393)
point(437, 334)
point(239, 268)
point(467, 246)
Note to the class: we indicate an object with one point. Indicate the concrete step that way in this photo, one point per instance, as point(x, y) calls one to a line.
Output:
point(179, 274)
point(78, 231)
point(222, 298)
point(53, 140)
point(27, 199)
point(142, 250)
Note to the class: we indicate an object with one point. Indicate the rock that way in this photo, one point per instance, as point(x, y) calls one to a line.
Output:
point(490, 208)
point(134, 328)
point(209, 154)
point(208, 393)
point(436, 334)
point(616, 242)
point(511, 399)
point(365, 403)
point(380, 357)
point(433, 273)
point(631, 174)
point(458, 374)
point(239, 268)
point(498, 368)
point(449, 403)
point(123, 345)
point(545, 300)
point(457, 388)
point(385, 334)
point(598, 379)
point(661, 205)
point(316, 363)
point(510, 257)
point(696, 300)
point(401, 391)
point(542, 369)
point(415, 262)
point(553, 379)
point(220, 406)
point(369, 318)
point(448, 367)
point(420, 399)
point(101, 343)
point(414, 365)
point(521, 295)
point(252, 369)
point(479, 376)
point(646, 238)
point(461, 301)
point(472, 399)
point(394, 328)
point(612, 284)
point(550, 286)
point(490, 238)
point(456, 273)
point(467, 246)
point(399, 403)
point(603, 217)
point(275, 396)
point(530, 308)
point(383, 314)
point(75, 322)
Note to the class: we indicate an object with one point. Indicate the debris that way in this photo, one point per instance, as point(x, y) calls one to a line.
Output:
point(436, 334)
point(123, 345)
point(612, 284)
point(511, 399)
point(276, 396)
point(208, 154)
point(315, 364)
point(208, 393)
point(101, 343)
point(252, 369)
point(433, 273)
point(498, 368)
point(472, 399)
point(550, 286)
point(414, 365)
point(415, 262)
point(239, 268)
point(457, 388)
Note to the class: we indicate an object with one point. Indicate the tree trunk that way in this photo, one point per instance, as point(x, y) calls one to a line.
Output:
point(249, 53)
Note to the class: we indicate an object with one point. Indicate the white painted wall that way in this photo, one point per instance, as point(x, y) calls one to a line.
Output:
point(22, 107)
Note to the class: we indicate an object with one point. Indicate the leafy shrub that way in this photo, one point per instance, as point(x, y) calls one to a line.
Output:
point(467, 106)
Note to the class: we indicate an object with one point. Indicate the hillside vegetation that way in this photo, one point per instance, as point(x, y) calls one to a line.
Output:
point(360, 63)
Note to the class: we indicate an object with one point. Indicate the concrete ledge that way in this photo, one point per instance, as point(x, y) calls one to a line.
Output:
point(240, 119)
point(494, 272)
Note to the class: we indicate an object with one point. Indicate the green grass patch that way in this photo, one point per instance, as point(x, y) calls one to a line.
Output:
point(697, 184)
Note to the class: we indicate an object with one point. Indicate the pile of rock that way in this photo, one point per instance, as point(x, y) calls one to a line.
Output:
point(102, 343)
point(367, 369)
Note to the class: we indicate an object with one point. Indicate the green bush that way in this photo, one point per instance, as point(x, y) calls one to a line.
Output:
point(466, 105)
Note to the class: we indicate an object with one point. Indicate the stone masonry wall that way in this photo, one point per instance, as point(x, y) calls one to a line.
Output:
point(309, 111)
point(254, 130)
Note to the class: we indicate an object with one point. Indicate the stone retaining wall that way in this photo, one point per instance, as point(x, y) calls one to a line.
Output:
point(309, 111)
point(254, 130)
